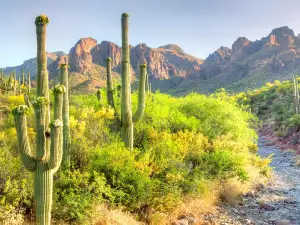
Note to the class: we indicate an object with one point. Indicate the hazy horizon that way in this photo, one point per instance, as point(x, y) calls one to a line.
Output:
point(198, 28)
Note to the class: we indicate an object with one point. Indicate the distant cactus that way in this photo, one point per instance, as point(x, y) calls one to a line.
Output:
point(127, 119)
point(28, 82)
point(110, 90)
point(99, 95)
point(48, 154)
point(296, 98)
point(20, 88)
point(64, 80)
point(23, 78)
point(15, 83)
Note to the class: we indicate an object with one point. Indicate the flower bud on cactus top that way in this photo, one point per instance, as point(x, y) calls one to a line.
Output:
point(20, 110)
point(41, 20)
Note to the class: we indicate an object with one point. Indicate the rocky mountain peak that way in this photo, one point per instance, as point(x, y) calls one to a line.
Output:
point(283, 31)
point(171, 47)
point(239, 48)
point(80, 55)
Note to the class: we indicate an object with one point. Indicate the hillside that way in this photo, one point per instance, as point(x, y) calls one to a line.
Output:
point(247, 64)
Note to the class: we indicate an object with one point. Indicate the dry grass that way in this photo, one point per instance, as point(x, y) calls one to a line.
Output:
point(104, 216)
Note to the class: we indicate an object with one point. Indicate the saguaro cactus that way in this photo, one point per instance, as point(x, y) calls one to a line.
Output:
point(23, 78)
point(127, 119)
point(296, 98)
point(29, 82)
point(99, 95)
point(48, 142)
point(15, 85)
point(109, 90)
point(64, 80)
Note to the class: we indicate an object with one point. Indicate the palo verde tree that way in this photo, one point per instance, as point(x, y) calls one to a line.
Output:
point(127, 119)
point(48, 154)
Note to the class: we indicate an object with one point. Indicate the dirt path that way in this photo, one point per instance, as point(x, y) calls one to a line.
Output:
point(277, 202)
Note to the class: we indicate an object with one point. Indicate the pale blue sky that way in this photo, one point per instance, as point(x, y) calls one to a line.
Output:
point(199, 27)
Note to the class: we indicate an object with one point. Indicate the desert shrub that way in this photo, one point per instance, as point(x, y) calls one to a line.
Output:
point(75, 192)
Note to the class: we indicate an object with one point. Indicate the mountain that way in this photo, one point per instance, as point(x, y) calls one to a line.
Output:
point(247, 64)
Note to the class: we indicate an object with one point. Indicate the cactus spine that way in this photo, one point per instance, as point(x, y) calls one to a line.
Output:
point(296, 98)
point(48, 156)
point(109, 91)
point(64, 80)
point(126, 114)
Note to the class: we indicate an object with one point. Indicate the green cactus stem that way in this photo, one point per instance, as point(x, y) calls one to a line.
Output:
point(20, 89)
point(110, 90)
point(126, 111)
point(296, 99)
point(99, 95)
point(23, 78)
point(48, 154)
point(64, 80)
point(15, 84)
point(28, 82)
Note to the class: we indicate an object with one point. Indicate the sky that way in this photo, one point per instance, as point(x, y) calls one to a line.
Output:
point(199, 27)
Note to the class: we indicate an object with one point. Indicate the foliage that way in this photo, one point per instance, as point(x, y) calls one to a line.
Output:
point(181, 145)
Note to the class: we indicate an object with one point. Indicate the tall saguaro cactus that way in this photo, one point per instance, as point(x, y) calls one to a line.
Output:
point(127, 119)
point(296, 97)
point(15, 85)
point(48, 154)
point(64, 80)
point(29, 82)
point(110, 91)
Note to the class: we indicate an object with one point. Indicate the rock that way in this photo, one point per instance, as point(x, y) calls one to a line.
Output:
point(267, 206)
point(290, 200)
point(251, 193)
point(247, 222)
point(183, 222)
point(282, 222)
point(239, 48)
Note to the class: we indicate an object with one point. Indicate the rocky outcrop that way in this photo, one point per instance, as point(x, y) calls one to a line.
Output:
point(164, 62)
point(239, 48)
point(80, 57)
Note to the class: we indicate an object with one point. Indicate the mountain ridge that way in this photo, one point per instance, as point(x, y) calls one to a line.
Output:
point(245, 65)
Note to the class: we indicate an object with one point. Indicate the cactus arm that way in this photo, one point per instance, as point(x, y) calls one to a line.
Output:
point(141, 96)
point(40, 106)
point(65, 108)
point(24, 147)
point(56, 130)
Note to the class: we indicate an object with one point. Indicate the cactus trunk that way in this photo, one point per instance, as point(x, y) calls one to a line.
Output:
point(15, 85)
point(295, 95)
point(48, 157)
point(110, 91)
point(29, 82)
point(126, 111)
point(64, 80)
